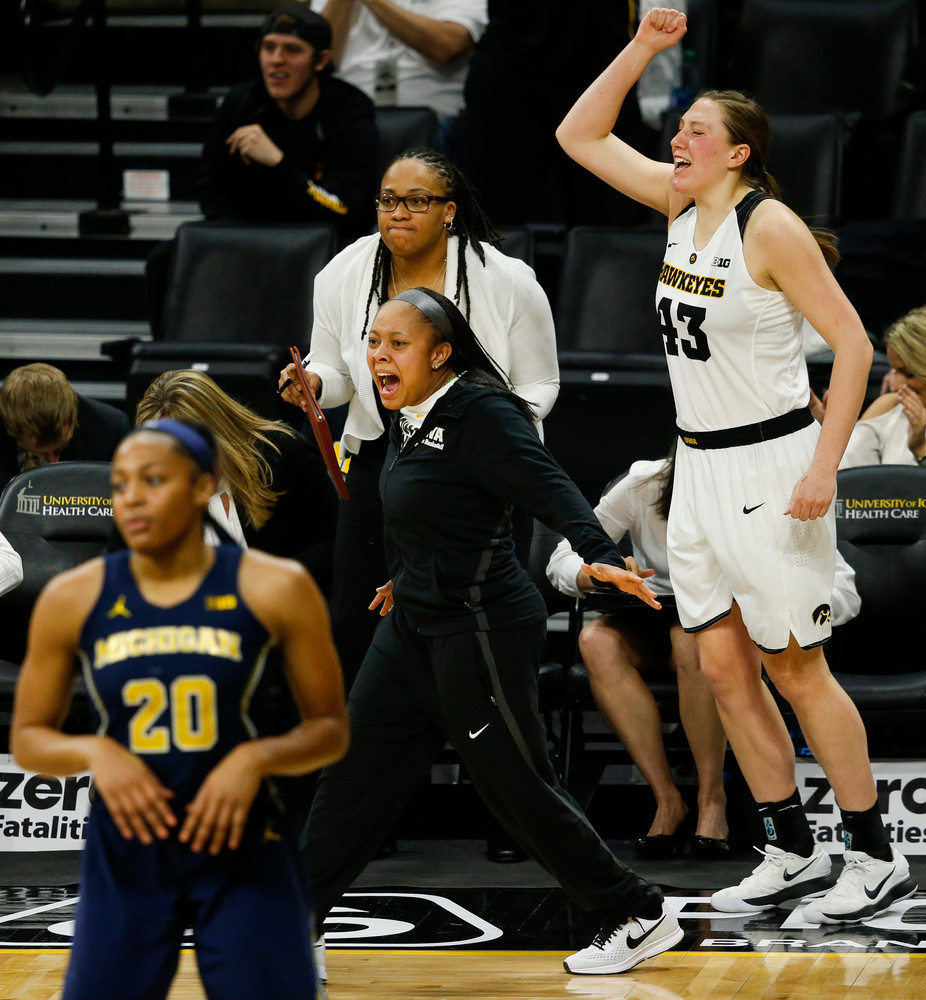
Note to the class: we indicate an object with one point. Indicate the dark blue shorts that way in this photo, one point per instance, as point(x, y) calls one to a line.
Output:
point(249, 910)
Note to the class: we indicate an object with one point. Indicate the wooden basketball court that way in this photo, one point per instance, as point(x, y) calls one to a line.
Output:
point(499, 975)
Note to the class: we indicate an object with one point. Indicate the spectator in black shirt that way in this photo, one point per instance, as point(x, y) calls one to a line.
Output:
point(295, 146)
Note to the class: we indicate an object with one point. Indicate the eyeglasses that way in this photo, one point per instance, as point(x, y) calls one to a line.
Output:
point(413, 202)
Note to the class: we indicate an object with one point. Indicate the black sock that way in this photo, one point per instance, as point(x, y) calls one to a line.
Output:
point(865, 832)
point(786, 825)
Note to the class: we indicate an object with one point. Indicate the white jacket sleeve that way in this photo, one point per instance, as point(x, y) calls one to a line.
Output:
point(11, 566)
point(846, 601)
point(325, 358)
point(615, 512)
point(863, 448)
point(534, 369)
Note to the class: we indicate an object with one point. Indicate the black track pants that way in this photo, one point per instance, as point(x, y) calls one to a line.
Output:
point(477, 691)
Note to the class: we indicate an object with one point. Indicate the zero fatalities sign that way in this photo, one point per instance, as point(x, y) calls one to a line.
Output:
point(42, 813)
point(901, 788)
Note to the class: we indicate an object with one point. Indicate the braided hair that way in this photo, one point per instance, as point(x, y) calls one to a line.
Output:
point(470, 224)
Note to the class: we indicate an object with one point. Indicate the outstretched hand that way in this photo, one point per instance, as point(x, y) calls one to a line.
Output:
point(662, 28)
point(627, 580)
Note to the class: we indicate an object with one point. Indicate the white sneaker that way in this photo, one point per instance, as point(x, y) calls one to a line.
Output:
point(318, 953)
point(865, 886)
point(619, 947)
point(779, 877)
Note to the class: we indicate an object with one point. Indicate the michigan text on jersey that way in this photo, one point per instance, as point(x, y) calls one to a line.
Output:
point(165, 640)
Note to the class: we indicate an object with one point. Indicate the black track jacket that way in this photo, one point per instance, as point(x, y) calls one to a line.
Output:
point(447, 499)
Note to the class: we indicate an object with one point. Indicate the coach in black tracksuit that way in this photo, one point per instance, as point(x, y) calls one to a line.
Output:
point(456, 658)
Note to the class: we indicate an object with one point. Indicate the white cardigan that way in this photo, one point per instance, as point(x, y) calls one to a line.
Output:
point(509, 313)
point(881, 440)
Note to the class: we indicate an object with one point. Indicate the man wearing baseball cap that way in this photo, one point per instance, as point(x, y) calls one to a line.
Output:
point(296, 145)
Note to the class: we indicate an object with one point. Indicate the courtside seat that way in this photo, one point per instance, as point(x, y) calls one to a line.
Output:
point(56, 517)
point(880, 656)
point(588, 750)
point(238, 297)
point(606, 313)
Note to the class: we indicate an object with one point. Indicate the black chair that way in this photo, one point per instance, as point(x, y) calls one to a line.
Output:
point(805, 156)
point(55, 517)
point(402, 128)
point(910, 189)
point(879, 656)
point(519, 243)
point(234, 284)
point(589, 749)
point(606, 313)
point(800, 56)
point(238, 297)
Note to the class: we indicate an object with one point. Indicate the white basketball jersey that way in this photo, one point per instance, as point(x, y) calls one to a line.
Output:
point(733, 348)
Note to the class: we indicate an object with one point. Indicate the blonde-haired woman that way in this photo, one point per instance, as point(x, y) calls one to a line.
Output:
point(892, 430)
point(274, 493)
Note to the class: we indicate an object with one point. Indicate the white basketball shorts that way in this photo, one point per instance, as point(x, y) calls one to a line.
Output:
point(729, 540)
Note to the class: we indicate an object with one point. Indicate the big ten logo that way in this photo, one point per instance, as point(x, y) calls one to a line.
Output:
point(39, 812)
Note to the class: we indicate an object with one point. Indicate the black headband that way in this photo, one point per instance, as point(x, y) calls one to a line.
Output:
point(423, 302)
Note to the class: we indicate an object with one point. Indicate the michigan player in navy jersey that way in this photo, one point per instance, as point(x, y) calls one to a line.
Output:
point(172, 635)
point(751, 530)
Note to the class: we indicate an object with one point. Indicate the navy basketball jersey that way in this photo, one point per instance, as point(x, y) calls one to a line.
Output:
point(173, 684)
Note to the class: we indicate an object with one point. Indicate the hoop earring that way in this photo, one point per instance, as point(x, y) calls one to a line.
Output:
point(449, 224)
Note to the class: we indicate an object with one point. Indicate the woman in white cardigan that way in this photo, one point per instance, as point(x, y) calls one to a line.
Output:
point(432, 234)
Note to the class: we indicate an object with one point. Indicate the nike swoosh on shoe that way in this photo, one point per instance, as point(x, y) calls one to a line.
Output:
point(873, 893)
point(791, 876)
point(635, 942)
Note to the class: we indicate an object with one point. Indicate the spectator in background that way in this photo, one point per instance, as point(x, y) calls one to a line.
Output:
point(407, 52)
point(892, 431)
point(11, 567)
point(47, 421)
point(295, 146)
point(274, 493)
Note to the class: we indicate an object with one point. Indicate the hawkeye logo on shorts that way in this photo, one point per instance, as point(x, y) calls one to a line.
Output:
point(221, 602)
point(821, 615)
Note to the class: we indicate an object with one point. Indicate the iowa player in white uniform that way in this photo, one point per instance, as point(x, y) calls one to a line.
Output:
point(750, 536)
point(172, 634)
